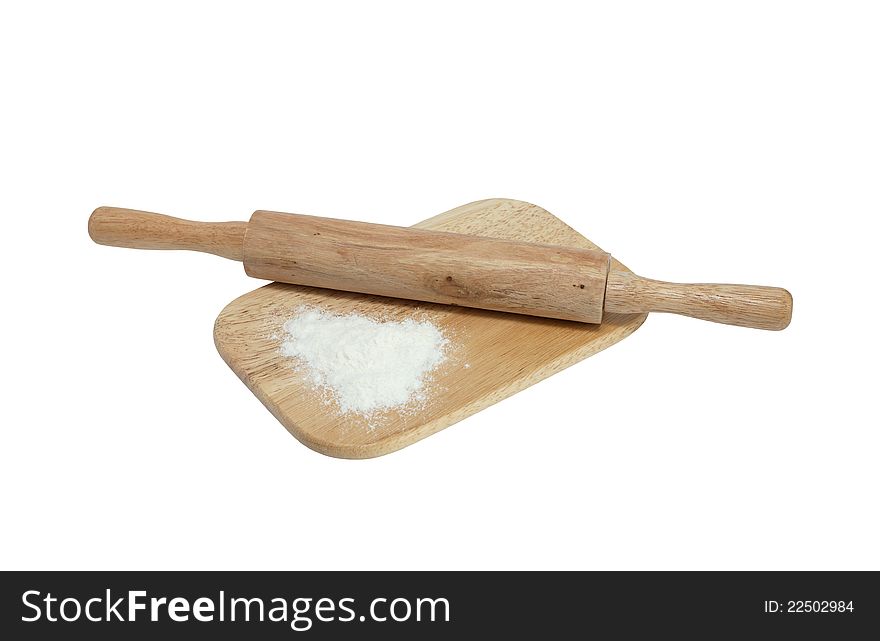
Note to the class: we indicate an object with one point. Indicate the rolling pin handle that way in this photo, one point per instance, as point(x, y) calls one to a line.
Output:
point(742, 305)
point(145, 230)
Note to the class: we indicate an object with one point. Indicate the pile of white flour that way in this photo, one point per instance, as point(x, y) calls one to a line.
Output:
point(367, 366)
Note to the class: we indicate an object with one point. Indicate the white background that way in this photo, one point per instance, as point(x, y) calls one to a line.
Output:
point(708, 141)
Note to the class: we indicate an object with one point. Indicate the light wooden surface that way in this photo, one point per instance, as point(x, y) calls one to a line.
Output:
point(504, 353)
point(427, 265)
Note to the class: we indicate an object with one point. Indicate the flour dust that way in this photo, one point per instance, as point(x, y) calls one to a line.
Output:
point(362, 365)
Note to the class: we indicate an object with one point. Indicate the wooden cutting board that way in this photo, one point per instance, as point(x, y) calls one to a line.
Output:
point(492, 355)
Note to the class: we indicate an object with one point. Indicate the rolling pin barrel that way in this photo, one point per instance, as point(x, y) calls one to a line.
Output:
point(456, 269)
point(438, 267)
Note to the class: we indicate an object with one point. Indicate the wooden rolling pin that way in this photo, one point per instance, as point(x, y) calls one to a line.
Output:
point(439, 267)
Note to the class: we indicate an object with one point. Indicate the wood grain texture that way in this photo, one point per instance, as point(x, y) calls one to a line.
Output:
point(428, 265)
point(743, 305)
point(554, 281)
point(504, 353)
point(145, 230)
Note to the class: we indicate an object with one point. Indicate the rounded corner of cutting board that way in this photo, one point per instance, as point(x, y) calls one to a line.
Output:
point(220, 330)
point(241, 328)
point(229, 340)
point(346, 450)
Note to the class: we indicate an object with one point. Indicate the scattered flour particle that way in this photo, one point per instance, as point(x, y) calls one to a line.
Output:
point(366, 365)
